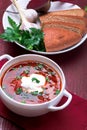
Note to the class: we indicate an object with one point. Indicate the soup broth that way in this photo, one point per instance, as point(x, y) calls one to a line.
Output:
point(31, 82)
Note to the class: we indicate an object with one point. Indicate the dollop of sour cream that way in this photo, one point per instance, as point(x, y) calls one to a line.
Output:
point(34, 82)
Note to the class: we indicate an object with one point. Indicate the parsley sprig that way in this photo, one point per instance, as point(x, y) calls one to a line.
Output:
point(35, 80)
point(31, 40)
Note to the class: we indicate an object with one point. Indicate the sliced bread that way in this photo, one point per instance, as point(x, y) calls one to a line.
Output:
point(64, 18)
point(79, 28)
point(63, 29)
point(56, 39)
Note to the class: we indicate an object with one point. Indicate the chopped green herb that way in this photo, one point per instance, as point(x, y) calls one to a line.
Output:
point(31, 40)
point(26, 71)
point(19, 91)
point(57, 92)
point(35, 93)
point(52, 73)
point(18, 77)
point(35, 80)
point(47, 79)
point(39, 67)
point(40, 93)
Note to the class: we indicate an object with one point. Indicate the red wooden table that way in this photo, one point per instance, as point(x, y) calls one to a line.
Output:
point(73, 63)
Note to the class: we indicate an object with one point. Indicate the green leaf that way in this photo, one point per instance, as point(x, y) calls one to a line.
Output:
point(19, 91)
point(57, 92)
point(35, 93)
point(52, 73)
point(35, 80)
point(47, 79)
point(31, 40)
point(12, 23)
point(39, 66)
point(18, 77)
point(26, 71)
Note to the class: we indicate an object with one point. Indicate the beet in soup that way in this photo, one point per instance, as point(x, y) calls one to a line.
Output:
point(31, 82)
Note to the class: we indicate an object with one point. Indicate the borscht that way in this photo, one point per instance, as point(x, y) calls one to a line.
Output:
point(31, 82)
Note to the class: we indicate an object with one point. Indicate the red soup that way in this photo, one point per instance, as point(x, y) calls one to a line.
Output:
point(31, 82)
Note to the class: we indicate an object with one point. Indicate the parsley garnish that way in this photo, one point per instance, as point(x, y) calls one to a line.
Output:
point(39, 67)
point(47, 79)
point(26, 71)
point(31, 40)
point(35, 93)
point(57, 92)
point(19, 91)
point(18, 77)
point(35, 80)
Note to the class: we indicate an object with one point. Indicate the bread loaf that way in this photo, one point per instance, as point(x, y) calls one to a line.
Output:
point(63, 29)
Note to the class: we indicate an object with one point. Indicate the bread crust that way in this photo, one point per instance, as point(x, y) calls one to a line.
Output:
point(69, 12)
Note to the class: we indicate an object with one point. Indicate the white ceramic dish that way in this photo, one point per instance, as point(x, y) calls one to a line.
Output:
point(54, 6)
point(33, 109)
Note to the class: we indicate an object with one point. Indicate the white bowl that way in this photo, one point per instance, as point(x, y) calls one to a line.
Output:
point(33, 109)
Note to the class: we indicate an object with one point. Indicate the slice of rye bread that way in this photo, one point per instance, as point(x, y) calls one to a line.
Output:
point(56, 39)
point(73, 21)
point(80, 29)
point(64, 18)
point(73, 12)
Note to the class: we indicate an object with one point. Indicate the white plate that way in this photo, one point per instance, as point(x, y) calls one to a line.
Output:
point(54, 7)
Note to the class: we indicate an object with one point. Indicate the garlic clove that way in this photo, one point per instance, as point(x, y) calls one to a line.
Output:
point(30, 14)
point(29, 17)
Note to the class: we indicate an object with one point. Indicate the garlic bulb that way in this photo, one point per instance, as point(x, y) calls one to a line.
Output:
point(30, 14)
point(29, 17)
